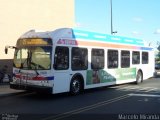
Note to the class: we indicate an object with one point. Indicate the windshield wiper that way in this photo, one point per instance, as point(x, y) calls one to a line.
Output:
point(36, 72)
point(35, 65)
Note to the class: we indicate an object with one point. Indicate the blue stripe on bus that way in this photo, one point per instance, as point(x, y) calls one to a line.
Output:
point(50, 78)
point(79, 34)
point(146, 48)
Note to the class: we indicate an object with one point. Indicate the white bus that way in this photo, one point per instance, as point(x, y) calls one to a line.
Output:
point(70, 60)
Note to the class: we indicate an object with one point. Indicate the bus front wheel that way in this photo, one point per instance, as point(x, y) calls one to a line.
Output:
point(139, 77)
point(75, 86)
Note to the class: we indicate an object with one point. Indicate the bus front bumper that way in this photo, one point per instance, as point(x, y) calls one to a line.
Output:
point(43, 89)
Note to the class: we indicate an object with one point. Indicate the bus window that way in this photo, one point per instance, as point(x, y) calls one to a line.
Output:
point(61, 60)
point(97, 59)
point(125, 59)
point(135, 57)
point(112, 59)
point(144, 57)
point(79, 58)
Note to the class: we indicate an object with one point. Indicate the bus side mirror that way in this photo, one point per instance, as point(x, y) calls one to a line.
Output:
point(6, 50)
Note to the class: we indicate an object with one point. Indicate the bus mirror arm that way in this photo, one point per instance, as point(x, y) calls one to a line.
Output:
point(6, 48)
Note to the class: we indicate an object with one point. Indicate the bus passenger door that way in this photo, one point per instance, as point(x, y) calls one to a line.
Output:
point(61, 70)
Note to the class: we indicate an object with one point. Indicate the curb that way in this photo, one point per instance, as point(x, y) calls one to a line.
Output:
point(5, 90)
point(11, 94)
point(4, 83)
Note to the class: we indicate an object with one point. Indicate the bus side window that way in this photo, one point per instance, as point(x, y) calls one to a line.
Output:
point(135, 57)
point(79, 58)
point(97, 59)
point(61, 58)
point(145, 58)
point(125, 59)
point(112, 59)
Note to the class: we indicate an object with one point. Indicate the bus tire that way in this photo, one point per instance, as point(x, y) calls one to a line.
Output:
point(139, 77)
point(76, 86)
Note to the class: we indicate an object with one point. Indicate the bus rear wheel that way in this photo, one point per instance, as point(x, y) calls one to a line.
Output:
point(75, 86)
point(139, 77)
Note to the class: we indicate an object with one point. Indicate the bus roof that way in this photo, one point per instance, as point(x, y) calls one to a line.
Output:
point(75, 34)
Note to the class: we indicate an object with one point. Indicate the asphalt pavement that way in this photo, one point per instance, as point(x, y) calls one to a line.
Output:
point(127, 101)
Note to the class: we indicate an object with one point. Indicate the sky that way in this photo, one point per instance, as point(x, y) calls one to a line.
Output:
point(131, 18)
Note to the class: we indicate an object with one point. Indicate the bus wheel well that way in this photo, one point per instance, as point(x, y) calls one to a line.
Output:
point(80, 77)
point(76, 84)
point(140, 71)
point(139, 76)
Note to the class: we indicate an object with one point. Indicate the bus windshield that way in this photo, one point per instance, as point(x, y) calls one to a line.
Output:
point(33, 57)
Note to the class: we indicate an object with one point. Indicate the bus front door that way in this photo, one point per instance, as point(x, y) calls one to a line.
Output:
point(62, 72)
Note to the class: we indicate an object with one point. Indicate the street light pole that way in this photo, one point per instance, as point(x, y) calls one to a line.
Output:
point(112, 32)
point(111, 17)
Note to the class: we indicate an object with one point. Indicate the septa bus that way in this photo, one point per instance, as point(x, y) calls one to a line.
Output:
point(71, 60)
